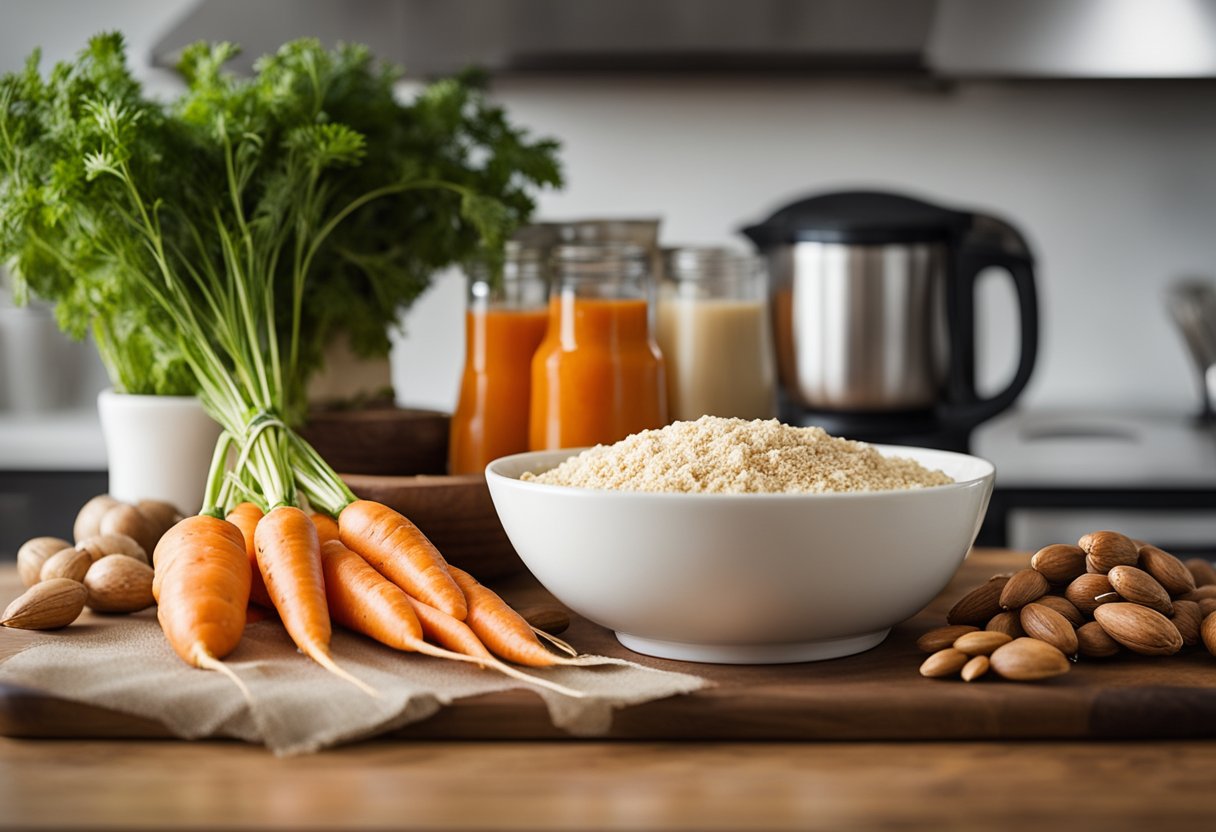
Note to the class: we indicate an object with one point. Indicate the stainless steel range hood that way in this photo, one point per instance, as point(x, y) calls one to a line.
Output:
point(939, 38)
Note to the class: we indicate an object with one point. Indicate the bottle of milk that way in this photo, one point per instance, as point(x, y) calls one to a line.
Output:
point(713, 331)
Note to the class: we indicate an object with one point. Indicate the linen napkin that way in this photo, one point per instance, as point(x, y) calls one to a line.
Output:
point(126, 665)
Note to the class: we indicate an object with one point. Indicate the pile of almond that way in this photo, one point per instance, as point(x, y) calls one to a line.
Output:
point(107, 570)
point(1107, 594)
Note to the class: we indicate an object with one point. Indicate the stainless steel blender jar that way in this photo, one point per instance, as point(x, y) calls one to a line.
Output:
point(873, 303)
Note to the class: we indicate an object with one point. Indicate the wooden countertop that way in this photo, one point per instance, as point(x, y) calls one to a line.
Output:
point(76, 784)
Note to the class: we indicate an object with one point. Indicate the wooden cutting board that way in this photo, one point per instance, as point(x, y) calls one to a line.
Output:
point(877, 695)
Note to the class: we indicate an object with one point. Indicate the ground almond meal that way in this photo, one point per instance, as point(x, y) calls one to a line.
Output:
point(734, 456)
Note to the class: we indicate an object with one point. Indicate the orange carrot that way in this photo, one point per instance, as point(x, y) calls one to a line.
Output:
point(201, 588)
point(363, 600)
point(289, 558)
point(245, 516)
point(327, 527)
point(447, 631)
point(499, 627)
point(401, 553)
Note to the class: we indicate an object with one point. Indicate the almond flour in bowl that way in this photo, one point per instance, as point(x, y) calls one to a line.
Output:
point(741, 576)
point(732, 456)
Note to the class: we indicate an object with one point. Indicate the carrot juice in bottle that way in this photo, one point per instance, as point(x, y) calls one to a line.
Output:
point(598, 375)
point(505, 321)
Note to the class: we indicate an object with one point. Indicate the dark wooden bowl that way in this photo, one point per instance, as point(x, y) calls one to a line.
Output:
point(381, 440)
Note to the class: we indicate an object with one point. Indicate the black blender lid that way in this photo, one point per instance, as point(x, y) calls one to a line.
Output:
point(858, 217)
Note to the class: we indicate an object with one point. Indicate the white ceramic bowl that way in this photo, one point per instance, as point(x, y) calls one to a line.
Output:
point(744, 578)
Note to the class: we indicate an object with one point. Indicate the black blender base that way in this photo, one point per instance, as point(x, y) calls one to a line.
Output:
point(918, 428)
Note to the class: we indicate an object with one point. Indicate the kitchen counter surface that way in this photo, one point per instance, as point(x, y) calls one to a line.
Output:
point(61, 440)
point(607, 785)
point(1087, 449)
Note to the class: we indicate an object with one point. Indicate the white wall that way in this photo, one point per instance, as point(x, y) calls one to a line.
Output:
point(61, 27)
point(1114, 184)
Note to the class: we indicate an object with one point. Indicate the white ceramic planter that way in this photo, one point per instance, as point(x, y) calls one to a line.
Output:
point(159, 447)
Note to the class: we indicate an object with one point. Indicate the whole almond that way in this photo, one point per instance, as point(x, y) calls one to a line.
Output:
point(1207, 606)
point(1139, 587)
point(100, 545)
point(1167, 570)
point(1059, 562)
point(1187, 617)
point(88, 519)
point(1047, 625)
point(128, 520)
point(117, 583)
point(34, 553)
point(161, 514)
point(1139, 629)
point(1201, 570)
point(981, 642)
point(1007, 623)
point(978, 605)
point(1094, 643)
point(1025, 586)
point(975, 667)
point(1104, 550)
point(1200, 592)
point(1207, 631)
point(49, 604)
point(943, 637)
point(1064, 607)
point(1028, 659)
point(1083, 592)
point(944, 663)
point(68, 563)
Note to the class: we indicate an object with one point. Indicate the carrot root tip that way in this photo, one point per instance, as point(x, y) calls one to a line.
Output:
point(553, 640)
point(427, 649)
point(536, 680)
point(322, 658)
point(206, 661)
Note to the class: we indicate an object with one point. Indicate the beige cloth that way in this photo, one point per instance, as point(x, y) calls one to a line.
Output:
point(297, 707)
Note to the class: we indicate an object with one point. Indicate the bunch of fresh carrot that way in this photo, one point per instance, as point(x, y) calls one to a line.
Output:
point(370, 570)
point(225, 261)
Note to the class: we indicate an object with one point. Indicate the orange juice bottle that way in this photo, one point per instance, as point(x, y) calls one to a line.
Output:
point(504, 322)
point(598, 376)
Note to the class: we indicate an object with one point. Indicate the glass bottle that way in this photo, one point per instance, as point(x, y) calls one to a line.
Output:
point(598, 375)
point(505, 321)
point(713, 329)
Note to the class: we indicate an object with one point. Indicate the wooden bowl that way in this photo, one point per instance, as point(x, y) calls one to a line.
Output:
point(381, 440)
